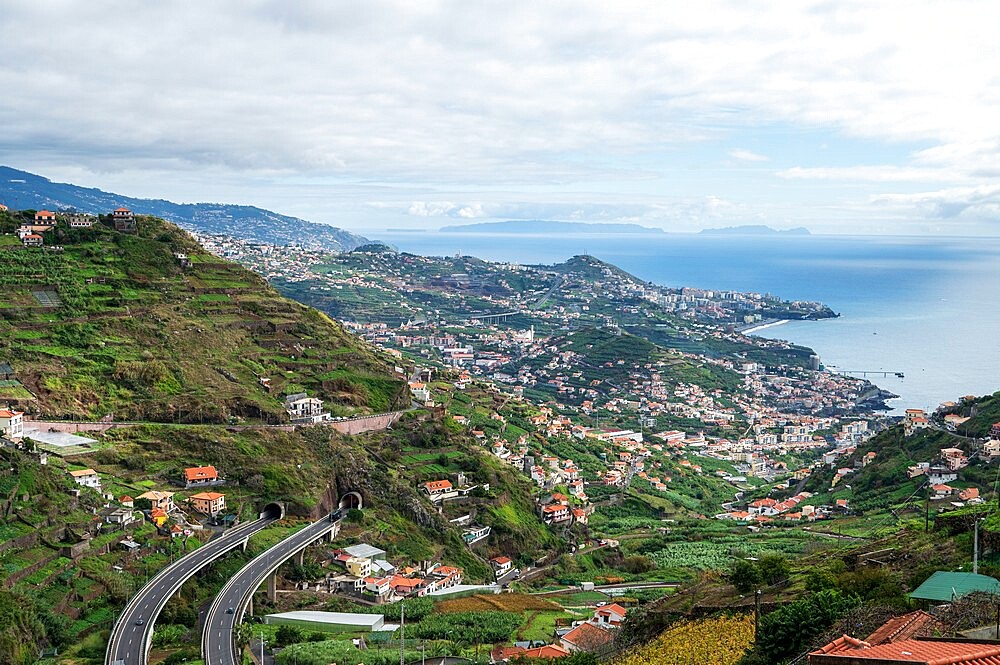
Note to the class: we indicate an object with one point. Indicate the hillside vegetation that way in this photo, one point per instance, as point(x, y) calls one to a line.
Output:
point(114, 324)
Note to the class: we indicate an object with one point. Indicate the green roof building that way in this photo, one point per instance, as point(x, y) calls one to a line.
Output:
point(945, 587)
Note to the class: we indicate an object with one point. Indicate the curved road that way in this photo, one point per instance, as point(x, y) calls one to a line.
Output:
point(217, 647)
point(133, 632)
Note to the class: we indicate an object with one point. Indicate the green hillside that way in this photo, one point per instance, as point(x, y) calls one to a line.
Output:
point(114, 324)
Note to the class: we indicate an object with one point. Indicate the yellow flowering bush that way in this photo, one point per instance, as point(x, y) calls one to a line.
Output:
point(717, 641)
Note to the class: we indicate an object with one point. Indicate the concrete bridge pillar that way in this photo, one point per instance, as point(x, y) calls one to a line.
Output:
point(300, 557)
point(250, 607)
point(334, 531)
point(272, 586)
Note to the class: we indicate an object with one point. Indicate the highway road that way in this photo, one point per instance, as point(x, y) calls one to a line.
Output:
point(133, 632)
point(226, 612)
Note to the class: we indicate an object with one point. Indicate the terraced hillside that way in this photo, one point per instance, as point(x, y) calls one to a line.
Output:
point(117, 324)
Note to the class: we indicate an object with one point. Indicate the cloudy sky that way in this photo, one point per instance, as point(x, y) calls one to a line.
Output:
point(844, 117)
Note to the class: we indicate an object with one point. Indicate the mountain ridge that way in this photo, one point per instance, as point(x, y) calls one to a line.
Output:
point(28, 191)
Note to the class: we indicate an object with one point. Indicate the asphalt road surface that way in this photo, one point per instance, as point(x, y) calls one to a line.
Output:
point(134, 629)
point(227, 610)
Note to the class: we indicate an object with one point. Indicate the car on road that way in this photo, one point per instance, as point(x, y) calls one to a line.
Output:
point(230, 610)
point(139, 622)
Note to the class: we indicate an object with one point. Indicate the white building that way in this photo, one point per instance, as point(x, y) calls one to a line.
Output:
point(11, 424)
point(86, 478)
point(302, 408)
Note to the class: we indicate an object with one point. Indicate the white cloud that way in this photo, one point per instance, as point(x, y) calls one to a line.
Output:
point(873, 173)
point(970, 203)
point(525, 95)
point(747, 156)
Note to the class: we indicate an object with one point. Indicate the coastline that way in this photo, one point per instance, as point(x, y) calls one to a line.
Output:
point(767, 323)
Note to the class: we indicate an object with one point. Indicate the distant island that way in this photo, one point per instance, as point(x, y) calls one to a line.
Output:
point(756, 230)
point(543, 226)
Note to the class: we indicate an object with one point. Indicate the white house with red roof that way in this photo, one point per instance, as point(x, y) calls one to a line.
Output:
point(609, 616)
point(941, 491)
point(11, 424)
point(555, 512)
point(501, 565)
point(587, 637)
point(198, 476)
point(86, 478)
point(439, 490)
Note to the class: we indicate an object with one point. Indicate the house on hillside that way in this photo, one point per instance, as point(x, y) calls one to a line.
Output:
point(304, 409)
point(124, 220)
point(117, 515)
point(45, 217)
point(160, 500)
point(32, 240)
point(587, 637)
point(554, 513)
point(11, 424)
point(158, 516)
point(86, 478)
point(501, 565)
point(438, 490)
point(610, 616)
point(78, 221)
point(846, 650)
point(941, 491)
point(201, 476)
point(475, 534)
point(365, 551)
point(208, 503)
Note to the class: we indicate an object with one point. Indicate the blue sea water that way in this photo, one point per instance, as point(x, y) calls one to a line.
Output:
point(923, 306)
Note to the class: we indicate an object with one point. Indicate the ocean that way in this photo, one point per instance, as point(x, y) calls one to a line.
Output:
point(926, 307)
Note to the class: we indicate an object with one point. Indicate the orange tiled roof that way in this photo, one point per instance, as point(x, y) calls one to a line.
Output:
point(928, 652)
point(201, 473)
point(207, 496)
point(588, 637)
point(901, 628)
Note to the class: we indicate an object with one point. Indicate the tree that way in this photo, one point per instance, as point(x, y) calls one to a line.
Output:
point(790, 629)
point(773, 568)
point(142, 504)
point(287, 635)
point(745, 576)
point(638, 564)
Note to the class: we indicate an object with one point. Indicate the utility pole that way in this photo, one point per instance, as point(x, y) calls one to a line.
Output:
point(975, 548)
point(756, 612)
point(927, 508)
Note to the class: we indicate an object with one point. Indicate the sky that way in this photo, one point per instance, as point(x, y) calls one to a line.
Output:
point(843, 117)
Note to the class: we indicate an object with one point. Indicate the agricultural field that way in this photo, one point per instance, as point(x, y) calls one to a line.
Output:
point(504, 602)
point(715, 641)
point(719, 552)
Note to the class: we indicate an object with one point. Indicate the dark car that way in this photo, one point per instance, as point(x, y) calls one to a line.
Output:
point(139, 622)
point(230, 610)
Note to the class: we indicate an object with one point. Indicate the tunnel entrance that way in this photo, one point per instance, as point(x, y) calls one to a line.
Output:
point(350, 501)
point(274, 510)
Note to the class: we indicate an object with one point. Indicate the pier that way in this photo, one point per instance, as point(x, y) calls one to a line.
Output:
point(871, 372)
